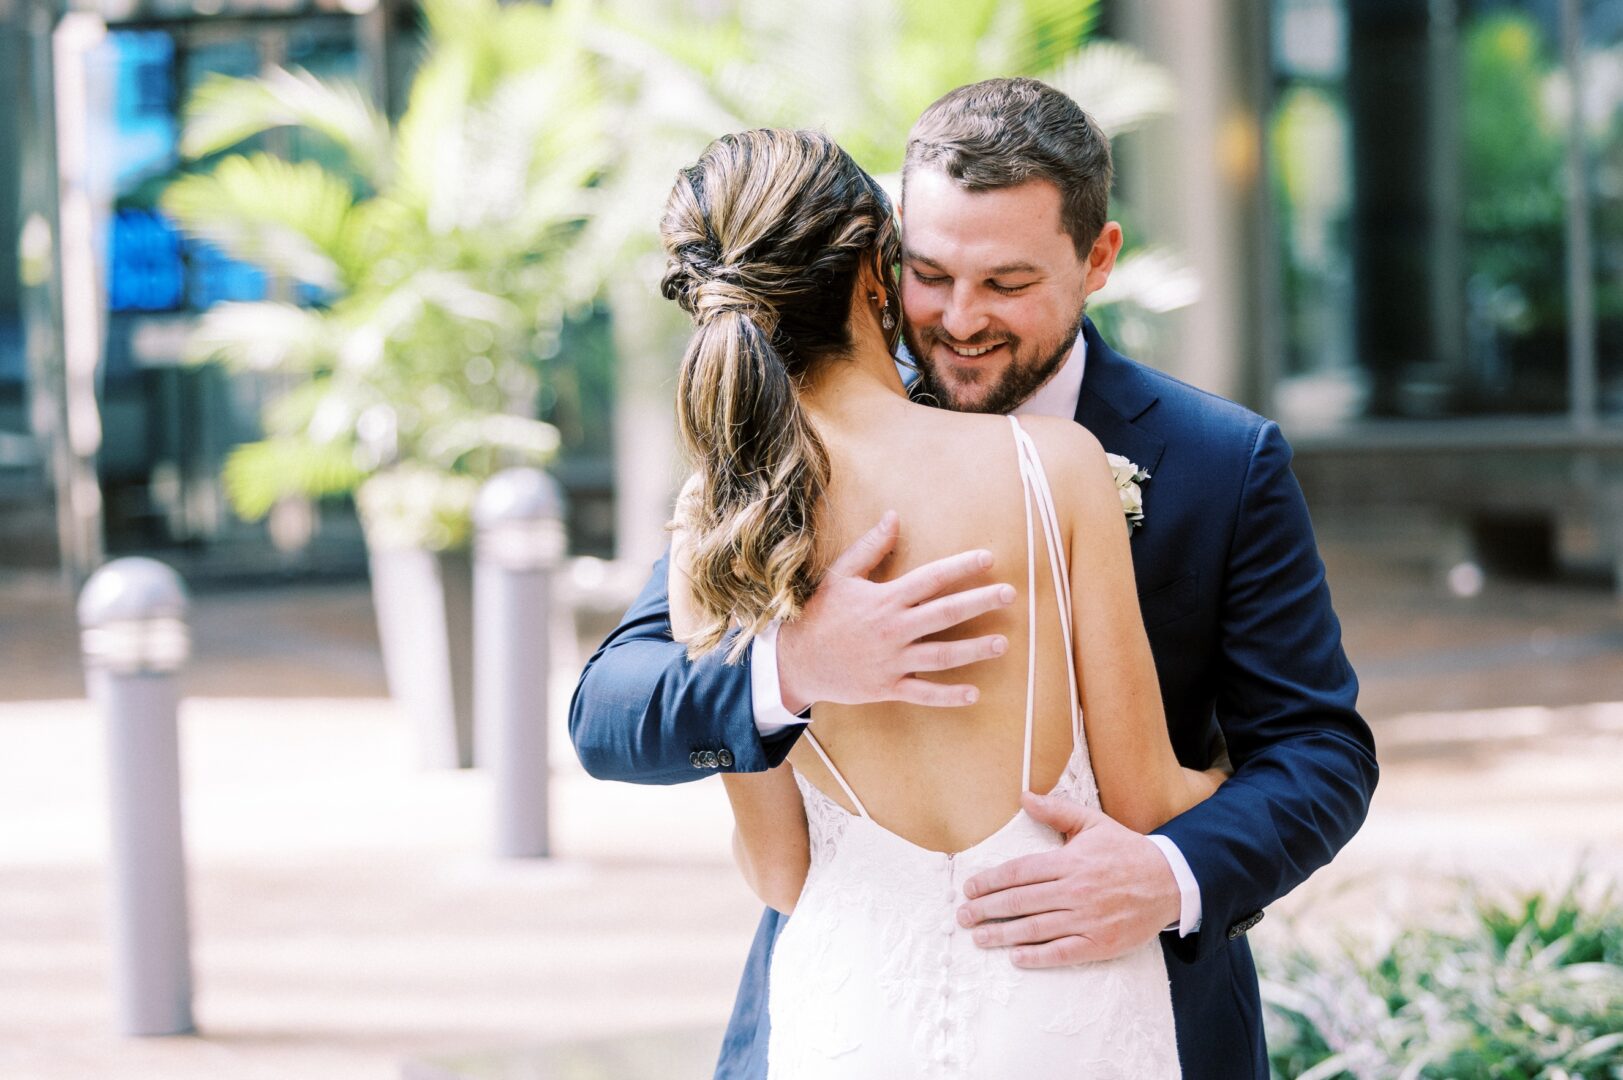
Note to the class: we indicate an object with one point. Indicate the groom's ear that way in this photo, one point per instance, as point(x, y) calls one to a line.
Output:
point(1101, 258)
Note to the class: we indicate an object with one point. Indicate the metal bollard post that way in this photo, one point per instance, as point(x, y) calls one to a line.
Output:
point(132, 619)
point(519, 515)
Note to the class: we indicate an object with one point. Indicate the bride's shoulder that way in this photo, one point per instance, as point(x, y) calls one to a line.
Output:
point(1065, 446)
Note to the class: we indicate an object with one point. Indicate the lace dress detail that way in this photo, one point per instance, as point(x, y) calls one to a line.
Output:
point(872, 977)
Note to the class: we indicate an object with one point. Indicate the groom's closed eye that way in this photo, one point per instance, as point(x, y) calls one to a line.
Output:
point(1008, 289)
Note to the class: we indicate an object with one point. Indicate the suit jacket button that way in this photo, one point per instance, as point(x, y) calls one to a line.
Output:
point(726, 758)
point(1244, 924)
point(710, 759)
point(696, 759)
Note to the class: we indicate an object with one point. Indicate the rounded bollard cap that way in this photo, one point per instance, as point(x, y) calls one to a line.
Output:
point(518, 494)
point(519, 514)
point(132, 617)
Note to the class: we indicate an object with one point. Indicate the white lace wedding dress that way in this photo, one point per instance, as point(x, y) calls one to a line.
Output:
point(872, 977)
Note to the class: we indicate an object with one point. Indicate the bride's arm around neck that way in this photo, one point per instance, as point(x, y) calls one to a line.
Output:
point(1140, 781)
point(770, 839)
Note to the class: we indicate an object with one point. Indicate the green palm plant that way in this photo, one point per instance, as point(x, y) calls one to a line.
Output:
point(442, 246)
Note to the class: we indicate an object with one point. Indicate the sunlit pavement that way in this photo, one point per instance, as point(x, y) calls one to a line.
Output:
point(347, 916)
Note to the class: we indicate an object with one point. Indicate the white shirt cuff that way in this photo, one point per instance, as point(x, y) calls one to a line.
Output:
point(766, 695)
point(1188, 888)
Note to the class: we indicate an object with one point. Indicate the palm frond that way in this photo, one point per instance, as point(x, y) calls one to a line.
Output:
point(1055, 29)
point(1116, 85)
point(392, 314)
point(224, 111)
point(307, 409)
point(539, 144)
point(701, 46)
point(1153, 278)
point(259, 474)
point(429, 143)
point(262, 336)
point(534, 441)
point(286, 217)
point(459, 24)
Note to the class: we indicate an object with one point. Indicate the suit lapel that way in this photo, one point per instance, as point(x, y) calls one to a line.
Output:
point(1114, 395)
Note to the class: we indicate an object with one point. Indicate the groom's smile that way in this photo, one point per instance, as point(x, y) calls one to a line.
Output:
point(969, 353)
point(977, 356)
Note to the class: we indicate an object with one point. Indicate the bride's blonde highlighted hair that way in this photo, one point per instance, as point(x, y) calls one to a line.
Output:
point(765, 236)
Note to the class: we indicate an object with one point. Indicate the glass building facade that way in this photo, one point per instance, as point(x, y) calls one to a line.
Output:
point(1447, 179)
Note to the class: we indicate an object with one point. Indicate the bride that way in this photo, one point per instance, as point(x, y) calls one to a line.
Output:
point(801, 433)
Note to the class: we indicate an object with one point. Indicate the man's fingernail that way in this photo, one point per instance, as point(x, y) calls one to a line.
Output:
point(888, 519)
point(965, 918)
point(1000, 645)
point(984, 558)
point(1006, 594)
point(982, 936)
point(970, 891)
point(1019, 956)
point(971, 696)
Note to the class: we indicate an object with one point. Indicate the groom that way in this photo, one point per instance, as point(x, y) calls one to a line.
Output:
point(1006, 188)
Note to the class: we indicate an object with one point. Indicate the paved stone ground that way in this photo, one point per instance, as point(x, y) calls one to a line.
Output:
point(347, 917)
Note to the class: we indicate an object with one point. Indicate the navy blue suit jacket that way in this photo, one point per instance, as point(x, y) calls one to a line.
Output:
point(1247, 649)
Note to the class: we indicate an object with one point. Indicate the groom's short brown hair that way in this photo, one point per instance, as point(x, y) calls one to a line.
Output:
point(1003, 132)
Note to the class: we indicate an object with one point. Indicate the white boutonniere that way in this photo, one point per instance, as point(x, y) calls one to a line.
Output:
point(1128, 477)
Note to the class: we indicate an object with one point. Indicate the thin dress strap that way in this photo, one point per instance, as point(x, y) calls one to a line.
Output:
point(840, 779)
point(1035, 479)
point(1031, 607)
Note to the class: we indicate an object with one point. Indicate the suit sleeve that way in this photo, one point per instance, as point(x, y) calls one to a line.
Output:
point(643, 713)
point(1304, 759)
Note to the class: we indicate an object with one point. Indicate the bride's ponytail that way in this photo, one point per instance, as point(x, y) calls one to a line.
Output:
point(765, 238)
point(762, 471)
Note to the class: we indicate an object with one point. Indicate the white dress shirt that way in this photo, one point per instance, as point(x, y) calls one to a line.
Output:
point(1056, 397)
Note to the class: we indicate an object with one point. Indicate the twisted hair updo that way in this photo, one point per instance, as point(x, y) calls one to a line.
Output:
point(765, 236)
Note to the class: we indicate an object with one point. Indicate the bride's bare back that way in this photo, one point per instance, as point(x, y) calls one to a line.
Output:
point(946, 778)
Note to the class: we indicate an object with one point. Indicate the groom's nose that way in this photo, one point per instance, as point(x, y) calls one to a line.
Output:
point(964, 315)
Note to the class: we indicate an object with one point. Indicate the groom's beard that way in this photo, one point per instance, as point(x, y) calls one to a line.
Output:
point(970, 390)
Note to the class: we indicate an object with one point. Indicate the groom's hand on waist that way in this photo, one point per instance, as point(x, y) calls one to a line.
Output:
point(859, 641)
point(1105, 892)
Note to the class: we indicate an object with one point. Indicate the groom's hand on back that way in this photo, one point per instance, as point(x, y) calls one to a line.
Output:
point(858, 641)
point(1107, 891)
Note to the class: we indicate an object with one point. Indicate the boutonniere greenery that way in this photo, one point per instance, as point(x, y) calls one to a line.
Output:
point(1128, 477)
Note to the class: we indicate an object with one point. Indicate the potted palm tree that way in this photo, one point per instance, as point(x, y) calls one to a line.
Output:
point(437, 251)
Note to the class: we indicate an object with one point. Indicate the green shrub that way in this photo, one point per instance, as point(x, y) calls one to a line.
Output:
point(1530, 987)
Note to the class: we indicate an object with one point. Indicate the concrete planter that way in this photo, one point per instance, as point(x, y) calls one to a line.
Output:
point(424, 601)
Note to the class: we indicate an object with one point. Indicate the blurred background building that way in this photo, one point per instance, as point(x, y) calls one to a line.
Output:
point(1405, 218)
